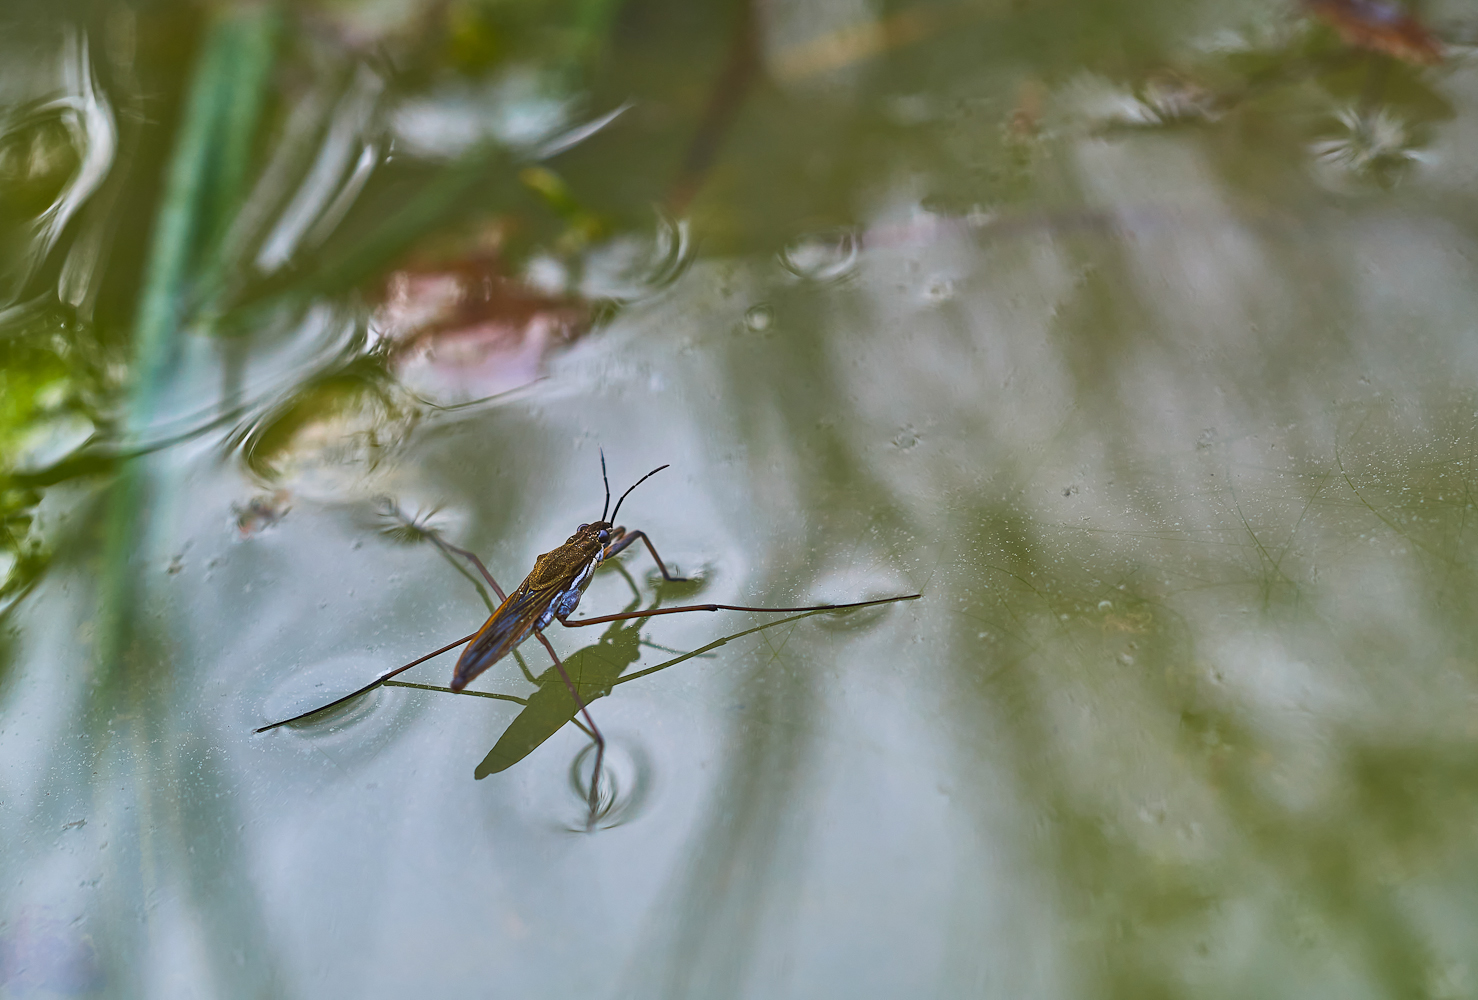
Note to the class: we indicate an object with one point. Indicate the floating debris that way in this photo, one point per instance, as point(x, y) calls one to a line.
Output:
point(259, 513)
point(1375, 146)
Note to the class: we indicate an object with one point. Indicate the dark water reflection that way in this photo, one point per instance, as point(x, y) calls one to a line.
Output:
point(1165, 404)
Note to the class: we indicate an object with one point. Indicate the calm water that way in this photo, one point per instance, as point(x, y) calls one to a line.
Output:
point(1139, 338)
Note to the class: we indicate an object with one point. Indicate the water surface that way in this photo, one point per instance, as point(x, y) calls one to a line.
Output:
point(1137, 337)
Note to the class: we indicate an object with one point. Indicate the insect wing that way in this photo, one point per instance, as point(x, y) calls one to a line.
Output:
point(558, 578)
point(508, 626)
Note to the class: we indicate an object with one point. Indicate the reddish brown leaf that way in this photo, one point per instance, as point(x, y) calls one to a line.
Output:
point(1379, 27)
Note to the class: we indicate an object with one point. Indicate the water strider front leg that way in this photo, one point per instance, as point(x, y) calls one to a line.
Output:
point(620, 538)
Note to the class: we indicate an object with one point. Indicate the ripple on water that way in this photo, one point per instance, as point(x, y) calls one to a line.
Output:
point(826, 257)
point(631, 268)
point(852, 589)
point(303, 688)
point(626, 783)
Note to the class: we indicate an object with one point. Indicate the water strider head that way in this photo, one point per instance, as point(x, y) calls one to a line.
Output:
point(596, 533)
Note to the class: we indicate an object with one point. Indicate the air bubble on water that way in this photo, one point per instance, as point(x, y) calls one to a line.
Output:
point(939, 290)
point(759, 318)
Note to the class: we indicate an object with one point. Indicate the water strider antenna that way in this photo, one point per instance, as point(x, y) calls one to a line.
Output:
point(607, 481)
point(634, 485)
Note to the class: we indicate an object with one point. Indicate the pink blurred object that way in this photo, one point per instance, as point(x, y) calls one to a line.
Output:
point(261, 512)
point(42, 954)
point(467, 331)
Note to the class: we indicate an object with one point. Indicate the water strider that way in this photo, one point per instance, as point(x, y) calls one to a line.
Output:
point(550, 592)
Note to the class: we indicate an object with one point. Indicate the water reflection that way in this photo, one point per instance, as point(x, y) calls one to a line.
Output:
point(56, 148)
point(332, 432)
point(333, 180)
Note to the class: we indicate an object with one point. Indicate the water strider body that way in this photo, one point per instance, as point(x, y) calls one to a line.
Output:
point(551, 592)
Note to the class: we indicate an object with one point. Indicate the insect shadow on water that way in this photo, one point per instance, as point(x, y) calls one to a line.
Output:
point(594, 669)
point(597, 670)
point(550, 592)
